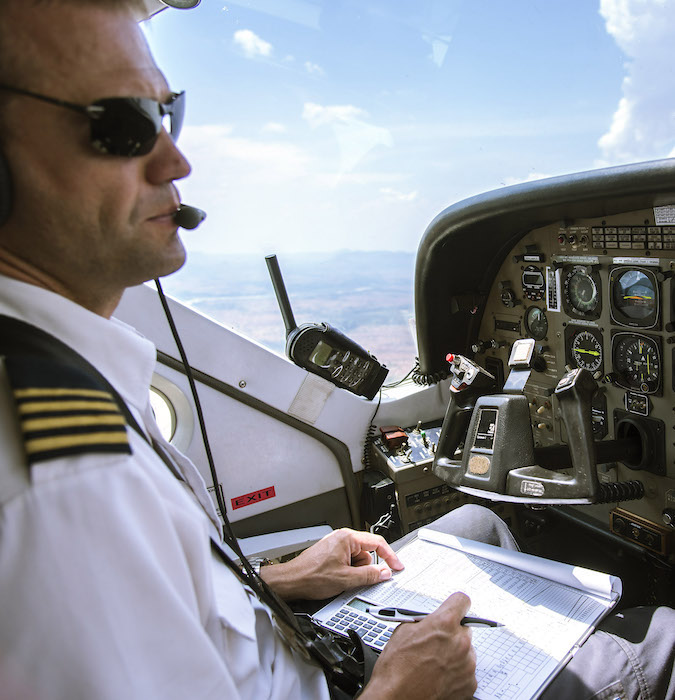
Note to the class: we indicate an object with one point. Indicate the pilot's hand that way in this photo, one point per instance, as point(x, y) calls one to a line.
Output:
point(429, 659)
point(339, 561)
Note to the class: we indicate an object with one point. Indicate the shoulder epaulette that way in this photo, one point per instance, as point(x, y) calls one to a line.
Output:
point(63, 410)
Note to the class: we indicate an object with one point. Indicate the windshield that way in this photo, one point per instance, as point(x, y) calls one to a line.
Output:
point(331, 132)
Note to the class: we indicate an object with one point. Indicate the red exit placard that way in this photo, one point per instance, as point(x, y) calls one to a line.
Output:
point(253, 497)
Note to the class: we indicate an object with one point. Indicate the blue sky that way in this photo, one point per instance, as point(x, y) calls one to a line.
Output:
point(316, 125)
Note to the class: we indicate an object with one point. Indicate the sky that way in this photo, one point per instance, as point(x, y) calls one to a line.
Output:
point(321, 125)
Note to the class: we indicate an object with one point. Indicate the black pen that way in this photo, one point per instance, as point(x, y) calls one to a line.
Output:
point(404, 615)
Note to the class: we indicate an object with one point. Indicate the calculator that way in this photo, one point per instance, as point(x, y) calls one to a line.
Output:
point(340, 616)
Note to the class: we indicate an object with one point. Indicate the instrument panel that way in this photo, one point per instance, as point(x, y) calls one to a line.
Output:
point(598, 294)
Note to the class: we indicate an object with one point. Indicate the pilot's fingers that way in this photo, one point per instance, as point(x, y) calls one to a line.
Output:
point(362, 559)
point(454, 608)
point(367, 575)
point(367, 542)
point(432, 658)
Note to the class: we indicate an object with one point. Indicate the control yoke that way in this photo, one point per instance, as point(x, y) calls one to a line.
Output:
point(499, 460)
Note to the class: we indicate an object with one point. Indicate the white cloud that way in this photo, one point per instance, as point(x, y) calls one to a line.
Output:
point(643, 125)
point(313, 68)
point(318, 115)
point(251, 44)
point(266, 194)
point(224, 158)
point(274, 128)
point(398, 196)
point(355, 137)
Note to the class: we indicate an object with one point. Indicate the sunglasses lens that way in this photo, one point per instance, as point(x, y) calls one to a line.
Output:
point(130, 126)
point(176, 108)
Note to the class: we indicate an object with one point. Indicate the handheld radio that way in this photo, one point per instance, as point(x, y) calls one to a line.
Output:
point(324, 350)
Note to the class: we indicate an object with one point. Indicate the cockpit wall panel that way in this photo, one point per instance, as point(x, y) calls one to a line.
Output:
point(285, 455)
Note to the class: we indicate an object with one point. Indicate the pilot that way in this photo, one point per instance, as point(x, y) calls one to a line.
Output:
point(109, 583)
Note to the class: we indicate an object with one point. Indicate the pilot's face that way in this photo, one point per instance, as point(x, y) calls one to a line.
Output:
point(93, 223)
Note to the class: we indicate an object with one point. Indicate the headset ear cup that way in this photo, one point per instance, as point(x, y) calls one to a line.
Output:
point(5, 190)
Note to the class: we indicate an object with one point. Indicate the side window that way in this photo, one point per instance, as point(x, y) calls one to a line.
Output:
point(172, 410)
point(367, 296)
point(164, 413)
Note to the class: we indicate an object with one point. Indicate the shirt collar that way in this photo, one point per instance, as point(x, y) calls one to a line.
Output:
point(117, 350)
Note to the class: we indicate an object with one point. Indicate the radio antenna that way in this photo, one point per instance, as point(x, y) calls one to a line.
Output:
point(280, 291)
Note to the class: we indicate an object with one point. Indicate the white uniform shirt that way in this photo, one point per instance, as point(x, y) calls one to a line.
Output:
point(108, 588)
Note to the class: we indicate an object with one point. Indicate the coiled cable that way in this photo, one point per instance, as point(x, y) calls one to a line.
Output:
point(613, 492)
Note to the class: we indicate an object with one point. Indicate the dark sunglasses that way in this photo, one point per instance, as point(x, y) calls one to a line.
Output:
point(123, 126)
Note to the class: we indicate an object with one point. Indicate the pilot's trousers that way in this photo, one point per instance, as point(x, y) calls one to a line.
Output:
point(631, 654)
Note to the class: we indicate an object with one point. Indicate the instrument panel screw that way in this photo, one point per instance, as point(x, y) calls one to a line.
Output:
point(242, 383)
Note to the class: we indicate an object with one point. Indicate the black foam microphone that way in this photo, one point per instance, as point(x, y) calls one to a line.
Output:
point(189, 217)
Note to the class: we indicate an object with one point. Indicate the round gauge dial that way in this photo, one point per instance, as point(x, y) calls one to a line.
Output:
point(637, 361)
point(634, 297)
point(581, 289)
point(536, 323)
point(586, 351)
point(583, 293)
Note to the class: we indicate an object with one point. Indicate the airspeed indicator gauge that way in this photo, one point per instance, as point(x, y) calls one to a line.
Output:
point(584, 348)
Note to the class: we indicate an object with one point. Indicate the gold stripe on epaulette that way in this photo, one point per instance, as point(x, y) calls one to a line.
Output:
point(35, 392)
point(70, 415)
point(61, 406)
point(77, 421)
point(65, 442)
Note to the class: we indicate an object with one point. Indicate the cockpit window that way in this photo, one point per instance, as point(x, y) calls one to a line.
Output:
point(332, 133)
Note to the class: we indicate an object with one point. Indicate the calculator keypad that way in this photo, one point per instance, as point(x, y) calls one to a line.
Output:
point(374, 633)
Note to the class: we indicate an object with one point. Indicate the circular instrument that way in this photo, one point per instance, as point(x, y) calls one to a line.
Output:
point(586, 350)
point(637, 362)
point(536, 323)
point(634, 297)
point(581, 292)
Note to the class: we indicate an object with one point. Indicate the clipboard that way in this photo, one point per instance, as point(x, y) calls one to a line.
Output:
point(548, 608)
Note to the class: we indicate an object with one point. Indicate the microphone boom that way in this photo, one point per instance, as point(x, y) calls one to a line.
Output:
point(189, 217)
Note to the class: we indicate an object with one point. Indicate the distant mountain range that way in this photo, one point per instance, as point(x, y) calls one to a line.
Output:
point(366, 295)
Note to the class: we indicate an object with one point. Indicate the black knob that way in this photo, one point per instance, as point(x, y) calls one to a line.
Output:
point(539, 364)
point(508, 298)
